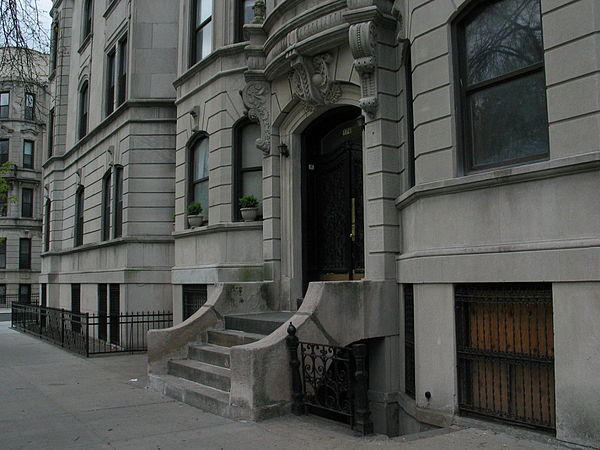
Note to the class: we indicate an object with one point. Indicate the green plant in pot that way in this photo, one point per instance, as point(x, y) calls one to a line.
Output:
point(248, 207)
point(194, 214)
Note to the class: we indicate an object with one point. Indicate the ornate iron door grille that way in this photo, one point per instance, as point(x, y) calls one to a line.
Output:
point(327, 380)
point(505, 346)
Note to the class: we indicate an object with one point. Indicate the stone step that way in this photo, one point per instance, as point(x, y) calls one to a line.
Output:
point(199, 372)
point(203, 397)
point(211, 354)
point(231, 338)
point(260, 323)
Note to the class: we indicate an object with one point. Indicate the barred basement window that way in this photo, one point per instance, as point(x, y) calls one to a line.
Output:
point(194, 296)
point(25, 293)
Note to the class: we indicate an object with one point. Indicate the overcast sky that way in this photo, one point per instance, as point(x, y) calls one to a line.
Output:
point(44, 6)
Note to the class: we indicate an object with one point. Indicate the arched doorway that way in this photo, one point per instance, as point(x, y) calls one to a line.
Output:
point(333, 230)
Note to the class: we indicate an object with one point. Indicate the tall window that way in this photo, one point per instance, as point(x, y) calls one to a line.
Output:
point(114, 311)
point(122, 71)
point(102, 311)
point(83, 110)
point(2, 294)
point(3, 150)
point(47, 221)
point(76, 307)
point(502, 84)
point(29, 106)
point(4, 104)
point(27, 202)
point(248, 163)
point(28, 154)
point(24, 253)
point(410, 126)
point(409, 340)
point(54, 48)
point(118, 206)
point(79, 199)
point(88, 13)
point(106, 206)
point(245, 14)
point(198, 187)
point(110, 82)
point(201, 30)
point(3, 254)
point(50, 133)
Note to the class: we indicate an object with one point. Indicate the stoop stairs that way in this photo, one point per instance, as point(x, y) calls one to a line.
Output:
point(203, 379)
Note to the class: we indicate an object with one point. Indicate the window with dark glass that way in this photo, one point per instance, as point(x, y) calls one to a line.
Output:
point(502, 84)
point(76, 307)
point(3, 150)
point(3, 253)
point(201, 30)
point(115, 312)
point(248, 164)
point(50, 133)
point(29, 106)
point(110, 82)
point(44, 294)
point(3, 294)
point(88, 13)
point(4, 104)
point(83, 110)
point(410, 126)
point(79, 204)
point(47, 221)
point(24, 253)
point(25, 293)
point(106, 186)
point(122, 71)
point(198, 186)
point(245, 14)
point(54, 48)
point(3, 205)
point(28, 154)
point(27, 202)
point(118, 203)
point(102, 311)
point(194, 297)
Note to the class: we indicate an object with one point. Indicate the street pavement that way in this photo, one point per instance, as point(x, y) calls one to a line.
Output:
point(52, 399)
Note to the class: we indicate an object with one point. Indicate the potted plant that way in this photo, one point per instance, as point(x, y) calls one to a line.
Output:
point(195, 218)
point(248, 207)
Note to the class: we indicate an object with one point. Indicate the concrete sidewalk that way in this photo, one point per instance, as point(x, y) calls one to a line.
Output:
point(52, 399)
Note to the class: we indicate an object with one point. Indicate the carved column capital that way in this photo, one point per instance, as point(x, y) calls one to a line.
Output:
point(256, 97)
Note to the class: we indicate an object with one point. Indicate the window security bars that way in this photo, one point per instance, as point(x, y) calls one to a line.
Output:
point(194, 297)
point(81, 332)
point(8, 299)
point(330, 381)
point(505, 347)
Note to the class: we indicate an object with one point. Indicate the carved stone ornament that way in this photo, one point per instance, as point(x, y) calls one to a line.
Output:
point(363, 38)
point(311, 82)
point(256, 98)
point(260, 11)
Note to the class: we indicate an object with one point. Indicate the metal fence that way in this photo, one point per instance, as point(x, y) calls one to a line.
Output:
point(7, 300)
point(89, 334)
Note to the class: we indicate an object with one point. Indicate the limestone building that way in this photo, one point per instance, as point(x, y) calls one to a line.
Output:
point(427, 173)
point(23, 115)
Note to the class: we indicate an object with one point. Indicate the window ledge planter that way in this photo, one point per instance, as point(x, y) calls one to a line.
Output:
point(249, 214)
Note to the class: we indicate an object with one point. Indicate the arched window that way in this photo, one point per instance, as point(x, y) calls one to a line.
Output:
point(79, 208)
point(87, 15)
point(244, 15)
point(502, 85)
point(248, 165)
point(198, 174)
point(106, 186)
point(83, 110)
point(201, 30)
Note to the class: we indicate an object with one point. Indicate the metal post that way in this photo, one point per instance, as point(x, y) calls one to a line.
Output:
point(87, 334)
point(62, 327)
point(292, 343)
point(362, 415)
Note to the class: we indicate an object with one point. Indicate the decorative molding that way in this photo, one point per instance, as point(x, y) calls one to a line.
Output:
point(260, 11)
point(311, 81)
point(110, 157)
point(6, 129)
point(363, 39)
point(195, 119)
point(30, 131)
point(256, 97)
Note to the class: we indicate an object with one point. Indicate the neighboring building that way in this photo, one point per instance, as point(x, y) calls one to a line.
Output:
point(427, 175)
point(23, 115)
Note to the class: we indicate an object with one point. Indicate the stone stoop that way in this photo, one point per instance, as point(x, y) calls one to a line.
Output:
point(203, 379)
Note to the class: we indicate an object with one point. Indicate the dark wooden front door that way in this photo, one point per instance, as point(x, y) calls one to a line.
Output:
point(334, 222)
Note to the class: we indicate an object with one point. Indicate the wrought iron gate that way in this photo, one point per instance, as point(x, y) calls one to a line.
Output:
point(505, 346)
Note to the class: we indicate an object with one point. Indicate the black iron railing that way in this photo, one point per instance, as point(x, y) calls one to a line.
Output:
point(89, 334)
point(330, 381)
point(7, 300)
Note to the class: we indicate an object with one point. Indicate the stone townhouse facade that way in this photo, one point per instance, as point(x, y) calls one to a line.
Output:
point(23, 115)
point(427, 174)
